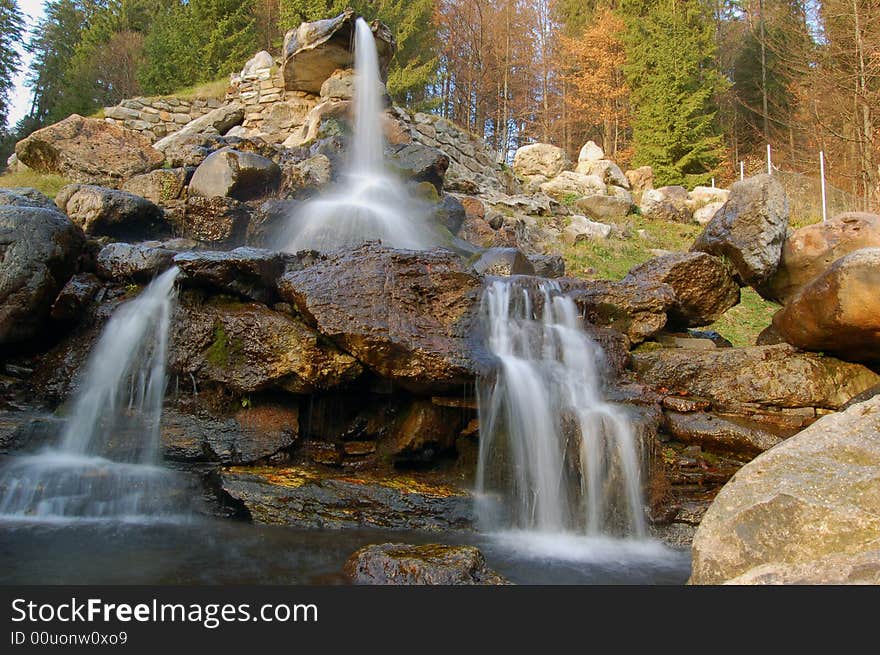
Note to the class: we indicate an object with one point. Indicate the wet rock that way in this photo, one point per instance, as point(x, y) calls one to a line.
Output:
point(408, 316)
point(604, 208)
point(307, 175)
point(804, 512)
point(313, 51)
point(503, 262)
point(39, 249)
point(250, 435)
point(779, 376)
point(636, 309)
point(550, 266)
point(569, 183)
point(539, 159)
point(79, 291)
point(25, 197)
point(218, 220)
point(451, 213)
point(249, 272)
point(749, 229)
point(28, 431)
point(216, 122)
point(267, 224)
point(118, 262)
point(425, 432)
point(839, 311)
point(310, 497)
point(246, 347)
point(809, 251)
point(239, 175)
point(107, 212)
point(89, 150)
point(703, 285)
point(159, 186)
point(714, 433)
point(432, 564)
point(419, 163)
point(668, 203)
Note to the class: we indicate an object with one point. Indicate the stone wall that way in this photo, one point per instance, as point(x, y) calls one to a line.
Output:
point(159, 116)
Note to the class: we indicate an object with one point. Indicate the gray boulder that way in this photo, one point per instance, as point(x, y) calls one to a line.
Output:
point(25, 197)
point(668, 203)
point(215, 122)
point(235, 174)
point(107, 212)
point(420, 163)
point(118, 262)
point(159, 186)
point(604, 208)
point(249, 272)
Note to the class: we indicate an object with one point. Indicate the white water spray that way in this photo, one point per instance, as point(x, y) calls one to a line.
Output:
point(555, 457)
point(368, 203)
point(105, 465)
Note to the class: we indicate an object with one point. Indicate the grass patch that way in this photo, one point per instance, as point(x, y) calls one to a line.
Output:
point(47, 183)
point(742, 324)
point(213, 89)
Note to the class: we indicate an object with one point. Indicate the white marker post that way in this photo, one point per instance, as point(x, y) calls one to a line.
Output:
point(822, 174)
point(742, 170)
point(769, 161)
point(713, 182)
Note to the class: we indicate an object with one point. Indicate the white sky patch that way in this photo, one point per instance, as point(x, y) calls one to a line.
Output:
point(20, 95)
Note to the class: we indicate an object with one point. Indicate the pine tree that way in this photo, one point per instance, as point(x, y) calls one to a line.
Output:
point(670, 70)
point(11, 32)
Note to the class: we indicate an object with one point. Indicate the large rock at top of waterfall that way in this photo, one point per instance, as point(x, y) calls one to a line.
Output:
point(539, 159)
point(107, 212)
point(777, 376)
point(805, 512)
point(749, 229)
point(39, 251)
point(239, 175)
point(408, 316)
point(809, 251)
point(247, 347)
point(430, 564)
point(668, 203)
point(89, 150)
point(839, 311)
point(703, 284)
point(314, 50)
point(636, 308)
point(247, 272)
point(215, 122)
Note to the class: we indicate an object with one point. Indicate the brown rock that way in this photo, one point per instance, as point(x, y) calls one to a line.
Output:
point(640, 180)
point(215, 220)
point(89, 150)
point(839, 311)
point(424, 432)
point(431, 564)
point(718, 433)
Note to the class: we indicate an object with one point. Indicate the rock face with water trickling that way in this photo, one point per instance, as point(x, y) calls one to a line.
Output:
point(703, 285)
point(88, 150)
point(779, 376)
point(107, 212)
point(431, 564)
point(313, 51)
point(122, 262)
point(806, 512)
point(749, 229)
point(246, 347)
point(408, 316)
point(310, 497)
point(39, 249)
point(839, 311)
point(239, 175)
point(249, 272)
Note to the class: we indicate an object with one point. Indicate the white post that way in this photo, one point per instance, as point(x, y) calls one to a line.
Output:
point(822, 174)
point(769, 161)
point(713, 182)
point(742, 170)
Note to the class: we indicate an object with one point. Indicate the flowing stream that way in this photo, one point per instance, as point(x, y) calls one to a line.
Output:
point(106, 464)
point(555, 457)
point(368, 203)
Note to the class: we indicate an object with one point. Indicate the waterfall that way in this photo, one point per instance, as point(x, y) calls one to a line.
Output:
point(555, 457)
point(368, 203)
point(105, 465)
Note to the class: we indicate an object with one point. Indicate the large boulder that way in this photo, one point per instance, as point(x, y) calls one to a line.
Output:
point(805, 512)
point(606, 170)
point(313, 51)
point(249, 272)
point(580, 228)
point(749, 229)
point(107, 212)
point(718, 433)
point(125, 262)
point(215, 122)
point(309, 497)
point(539, 159)
point(704, 287)
point(247, 347)
point(89, 150)
point(420, 163)
point(424, 432)
point(590, 151)
point(218, 220)
point(160, 186)
point(239, 175)
point(25, 197)
point(839, 311)
point(810, 250)
point(774, 376)
point(668, 203)
point(604, 208)
point(39, 249)
point(430, 564)
point(572, 184)
point(408, 316)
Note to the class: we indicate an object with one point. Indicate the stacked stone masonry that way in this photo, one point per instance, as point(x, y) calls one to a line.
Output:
point(159, 116)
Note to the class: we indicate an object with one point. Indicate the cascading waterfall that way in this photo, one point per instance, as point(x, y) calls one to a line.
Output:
point(105, 465)
point(368, 203)
point(555, 457)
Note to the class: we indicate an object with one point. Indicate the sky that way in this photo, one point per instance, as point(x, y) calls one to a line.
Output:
point(20, 95)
